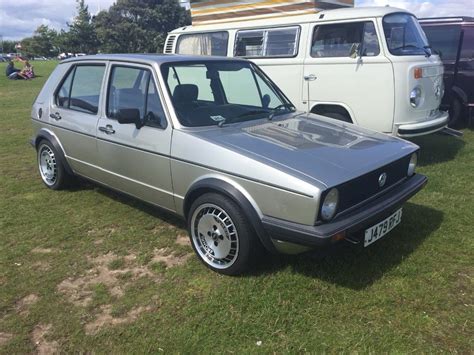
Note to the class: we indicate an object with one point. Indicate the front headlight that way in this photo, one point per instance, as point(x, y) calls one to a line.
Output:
point(415, 97)
point(329, 206)
point(412, 164)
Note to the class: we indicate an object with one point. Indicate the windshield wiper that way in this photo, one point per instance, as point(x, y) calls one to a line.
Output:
point(286, 105)
point(424, 48)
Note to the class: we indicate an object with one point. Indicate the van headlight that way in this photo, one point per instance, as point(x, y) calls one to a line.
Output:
point(415, 97)
point(412, 164)
point(329, 205)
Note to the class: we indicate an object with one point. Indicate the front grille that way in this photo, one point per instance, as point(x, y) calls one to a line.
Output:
point(364, 187)
point(169, 45)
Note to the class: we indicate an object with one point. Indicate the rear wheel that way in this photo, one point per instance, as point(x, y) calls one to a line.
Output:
point(221, 236)
point(50, 167)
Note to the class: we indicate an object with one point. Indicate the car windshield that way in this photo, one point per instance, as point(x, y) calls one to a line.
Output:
point(221, 92)
point(404, 35)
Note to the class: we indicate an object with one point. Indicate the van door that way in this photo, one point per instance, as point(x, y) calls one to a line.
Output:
point(136, 160)
point(345, 71)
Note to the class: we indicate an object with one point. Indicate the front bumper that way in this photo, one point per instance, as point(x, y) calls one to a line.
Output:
point(424, 127)
point(350, 223)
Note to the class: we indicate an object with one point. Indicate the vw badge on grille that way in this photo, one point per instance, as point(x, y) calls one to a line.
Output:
point(382, 179)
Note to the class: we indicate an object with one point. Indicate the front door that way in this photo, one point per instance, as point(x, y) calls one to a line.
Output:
point(136, 160)
point(346, 67)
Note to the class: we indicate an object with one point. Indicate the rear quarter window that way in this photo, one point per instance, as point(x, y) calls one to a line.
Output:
point(214, 43)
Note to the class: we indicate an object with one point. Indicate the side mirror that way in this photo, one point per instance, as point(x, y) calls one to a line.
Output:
point(354, 50)
point(266, 100)
point(130, 115)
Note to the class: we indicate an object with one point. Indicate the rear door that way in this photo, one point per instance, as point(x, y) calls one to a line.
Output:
point(136, 160)
point(345, 66)
point(74, 113)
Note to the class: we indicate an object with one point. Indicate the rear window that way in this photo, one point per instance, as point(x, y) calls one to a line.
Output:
point(345, 40)
point(214, 43)
point(80, 90)
point(275, 42)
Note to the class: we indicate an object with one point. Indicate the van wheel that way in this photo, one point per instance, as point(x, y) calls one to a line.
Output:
point(455, 112)
point(338, 116)
point(221, 236)
point(50, 167)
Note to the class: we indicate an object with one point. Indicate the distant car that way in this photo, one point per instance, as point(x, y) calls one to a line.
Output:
point(453, 39)
point(40, 58)
point(216, 142)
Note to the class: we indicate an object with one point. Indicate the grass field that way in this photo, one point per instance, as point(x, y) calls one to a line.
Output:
point(87, 270)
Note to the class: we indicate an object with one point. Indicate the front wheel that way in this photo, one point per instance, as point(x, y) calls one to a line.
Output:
point(221, 236)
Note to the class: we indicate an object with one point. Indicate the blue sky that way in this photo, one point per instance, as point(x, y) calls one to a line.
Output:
point(19, 18)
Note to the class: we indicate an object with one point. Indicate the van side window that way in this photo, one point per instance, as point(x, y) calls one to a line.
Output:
point(214, 43)
point(80, 91)
point(467, 51)
point(134, 88)
point(342, 39)
point(274, 42)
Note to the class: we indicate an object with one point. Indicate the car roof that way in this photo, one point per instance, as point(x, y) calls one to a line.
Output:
point(441, 20)
point(148, 58)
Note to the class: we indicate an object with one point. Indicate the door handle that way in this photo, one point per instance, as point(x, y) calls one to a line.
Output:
point(56, 116)
point(107, 129)
point(310, 77)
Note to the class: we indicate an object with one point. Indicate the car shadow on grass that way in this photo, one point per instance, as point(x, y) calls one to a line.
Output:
point(437, 148)
point(356, 267)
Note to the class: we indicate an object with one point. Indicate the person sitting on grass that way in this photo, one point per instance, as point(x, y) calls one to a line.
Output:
point(10, 71)
point(27, 71)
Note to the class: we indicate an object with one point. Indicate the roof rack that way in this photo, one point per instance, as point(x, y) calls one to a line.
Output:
point(447, 19)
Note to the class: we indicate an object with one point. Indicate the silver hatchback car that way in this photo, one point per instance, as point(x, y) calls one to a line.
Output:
point(216, 142)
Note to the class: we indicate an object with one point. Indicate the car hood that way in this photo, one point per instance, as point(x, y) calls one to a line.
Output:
point(310, 147)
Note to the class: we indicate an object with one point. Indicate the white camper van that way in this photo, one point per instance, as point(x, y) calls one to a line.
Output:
point(370, 66)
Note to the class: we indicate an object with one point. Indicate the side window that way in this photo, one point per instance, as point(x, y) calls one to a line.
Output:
point(81, 89)
point(370, 45)
point(214, 43)
point(278, 42)
point(234, 81)
point(467, 51)
point(444, 40)
point(340, 40)
point(134, 88)
point(249, 44)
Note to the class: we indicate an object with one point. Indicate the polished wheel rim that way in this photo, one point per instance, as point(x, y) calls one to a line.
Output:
point(47, 165)
point(214, 236)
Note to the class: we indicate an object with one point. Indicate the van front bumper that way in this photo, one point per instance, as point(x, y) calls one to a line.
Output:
point(349, 224)
point(420, 128)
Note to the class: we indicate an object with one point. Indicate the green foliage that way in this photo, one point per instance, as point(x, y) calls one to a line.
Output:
point(138, 26)
point(42, 42)
point(9, 46)
point(82, 37)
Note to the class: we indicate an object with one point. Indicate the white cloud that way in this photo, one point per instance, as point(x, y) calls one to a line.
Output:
point(433, 8)
point(19, 19)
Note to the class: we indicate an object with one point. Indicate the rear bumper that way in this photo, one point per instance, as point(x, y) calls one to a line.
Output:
point(424, 127)
point(351, 223)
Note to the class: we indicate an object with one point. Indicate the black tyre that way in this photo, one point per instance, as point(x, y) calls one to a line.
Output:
point(50, 167)
point(221, 235)
point(455, 113)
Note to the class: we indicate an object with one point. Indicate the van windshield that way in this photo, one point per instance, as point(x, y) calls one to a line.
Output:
point(221, 92)
point(404, 35)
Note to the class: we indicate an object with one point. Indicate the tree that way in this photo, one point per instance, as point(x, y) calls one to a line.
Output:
point(42, 42)
point(82, 36)
point(138, 26)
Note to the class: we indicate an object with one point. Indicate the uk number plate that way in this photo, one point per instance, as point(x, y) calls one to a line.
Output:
point(376, 232)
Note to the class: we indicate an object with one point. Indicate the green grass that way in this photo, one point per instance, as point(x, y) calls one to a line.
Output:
point(410, 292)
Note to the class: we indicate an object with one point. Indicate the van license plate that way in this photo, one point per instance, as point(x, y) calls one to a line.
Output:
point(380, 229)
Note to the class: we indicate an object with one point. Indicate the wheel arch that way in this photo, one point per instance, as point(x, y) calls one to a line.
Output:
point(321, 108)
point(238, 195)
point(45, 134)
point(459, 92)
